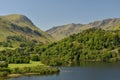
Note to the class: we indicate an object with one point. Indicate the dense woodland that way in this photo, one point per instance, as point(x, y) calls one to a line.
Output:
point(17, 49)
point(90, 45)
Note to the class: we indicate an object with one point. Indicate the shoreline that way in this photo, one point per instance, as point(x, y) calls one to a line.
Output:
point(14, 75)
point(25, 74)
point(18, 75)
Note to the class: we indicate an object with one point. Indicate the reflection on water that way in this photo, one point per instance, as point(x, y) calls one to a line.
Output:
point(86, 71)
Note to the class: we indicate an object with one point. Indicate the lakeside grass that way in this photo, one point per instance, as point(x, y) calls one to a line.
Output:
point(32, 68)
point(31, 64)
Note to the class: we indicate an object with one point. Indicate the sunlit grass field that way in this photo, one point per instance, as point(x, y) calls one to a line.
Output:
point(5, 48)
point(31, 64)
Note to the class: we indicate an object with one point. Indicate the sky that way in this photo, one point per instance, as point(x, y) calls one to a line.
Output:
point(46, 14)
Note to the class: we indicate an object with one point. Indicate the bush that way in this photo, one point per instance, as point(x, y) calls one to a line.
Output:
point(3, 64)
point(3, 74)
point(34, 57)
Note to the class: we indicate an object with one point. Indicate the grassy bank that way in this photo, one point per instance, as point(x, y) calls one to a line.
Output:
point(31, 64)
point(33, 68)
point(36, 70)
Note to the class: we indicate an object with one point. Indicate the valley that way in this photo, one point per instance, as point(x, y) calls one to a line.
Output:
point(24, 48)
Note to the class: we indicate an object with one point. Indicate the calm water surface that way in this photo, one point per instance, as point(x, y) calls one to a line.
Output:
point(109, 72)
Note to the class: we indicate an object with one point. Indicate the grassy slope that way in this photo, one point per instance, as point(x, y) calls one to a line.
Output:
point(63, 31)
point(21, 22)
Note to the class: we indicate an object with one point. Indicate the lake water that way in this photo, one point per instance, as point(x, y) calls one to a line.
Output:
point(99, 72)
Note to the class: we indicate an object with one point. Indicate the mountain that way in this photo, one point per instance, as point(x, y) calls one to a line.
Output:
point(16, 25)
point(63, 31)
point(92, 45)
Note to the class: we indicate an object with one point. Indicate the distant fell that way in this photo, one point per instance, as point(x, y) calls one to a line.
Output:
point(60, 32)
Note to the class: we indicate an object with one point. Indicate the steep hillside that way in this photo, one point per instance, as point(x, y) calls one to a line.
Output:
point(61, 32)
point(19, 25)
point(19, 31)
point(89, 45)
